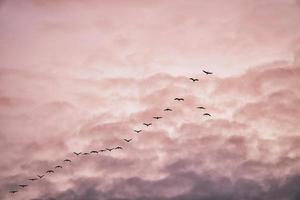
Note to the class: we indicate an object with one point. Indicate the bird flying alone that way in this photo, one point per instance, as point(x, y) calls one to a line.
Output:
point(194, 79)
point(157, 117)
point(179, 99)
point(128, 140)
point(206, 72)
point(207, 114)
point(137, 131)
point(167, 109)
point(67, 160)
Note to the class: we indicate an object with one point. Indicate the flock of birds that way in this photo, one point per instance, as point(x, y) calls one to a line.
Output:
point(51, 171)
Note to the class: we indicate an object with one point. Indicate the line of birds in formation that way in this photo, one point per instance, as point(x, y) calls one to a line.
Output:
point(110, 149)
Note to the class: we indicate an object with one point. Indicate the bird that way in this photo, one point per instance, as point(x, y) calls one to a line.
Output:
point(40, 176)
point(194, 79)
point(58, 166)
point(128, 140)
point(108, 149)
point(50, 171)
point(206, 114)
point(118, 147)
point(200, 107)
point(23, 186)
point(149, 124)
point(13, 191)
point(137, 131)
point(32, 179)
point(94, 152)
point(167, 109)
point(85, 154)
point(67, 160)
point(179, 99)
point(206, 72)
point(102, 150)
point(77, 154)
point(157, 117)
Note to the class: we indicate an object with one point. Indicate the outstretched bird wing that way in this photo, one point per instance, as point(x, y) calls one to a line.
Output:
point(207, 72)
point(200, 107)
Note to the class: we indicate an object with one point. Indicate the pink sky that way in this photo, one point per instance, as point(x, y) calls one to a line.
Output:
point(78, 76)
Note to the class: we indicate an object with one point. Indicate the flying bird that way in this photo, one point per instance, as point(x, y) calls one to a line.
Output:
point(58, 166)
point(137, 131)
point(23, 186)
point(67, 160)
point(167, 109)
point(102, 150)
point(118, 147)
point(94, 152)
point(157, 117)
point(85, 154)
point(149, 124)
point(32, 179)
point(206, 72)
point(108, 149)
point(207, 114)
point(13, 191)
point(50, 171)
point(40, 176)
point(179, 99)
point(194, 79)
point(200, 107)
point(77, 154)
point(128, 140)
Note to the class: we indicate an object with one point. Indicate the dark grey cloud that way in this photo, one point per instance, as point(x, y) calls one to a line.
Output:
point(201, 187)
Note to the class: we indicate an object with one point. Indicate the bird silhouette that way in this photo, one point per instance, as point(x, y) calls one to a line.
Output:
point(179, 99)
point(200, 107)
point(23, 186)
point(32, 179)
point(58, 166)
point(94, 152)
point(67, 160)
point(128, 140)
point(157, 117)
point(206, 114)
point(13, 191)
point(118, 147)
point(102, 150)
point(49, 171)
point(167, 109)
point(108, 149)
point(194, 79)
point(137, 131)
point(149, 124)
point(40, 176)
point(77, 154)
point(206, 72)
point(85, 154)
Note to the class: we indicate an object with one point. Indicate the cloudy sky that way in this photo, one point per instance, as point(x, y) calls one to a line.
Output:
point(81, 75)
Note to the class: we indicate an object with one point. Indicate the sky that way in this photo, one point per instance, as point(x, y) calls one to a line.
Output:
point(77, 76)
